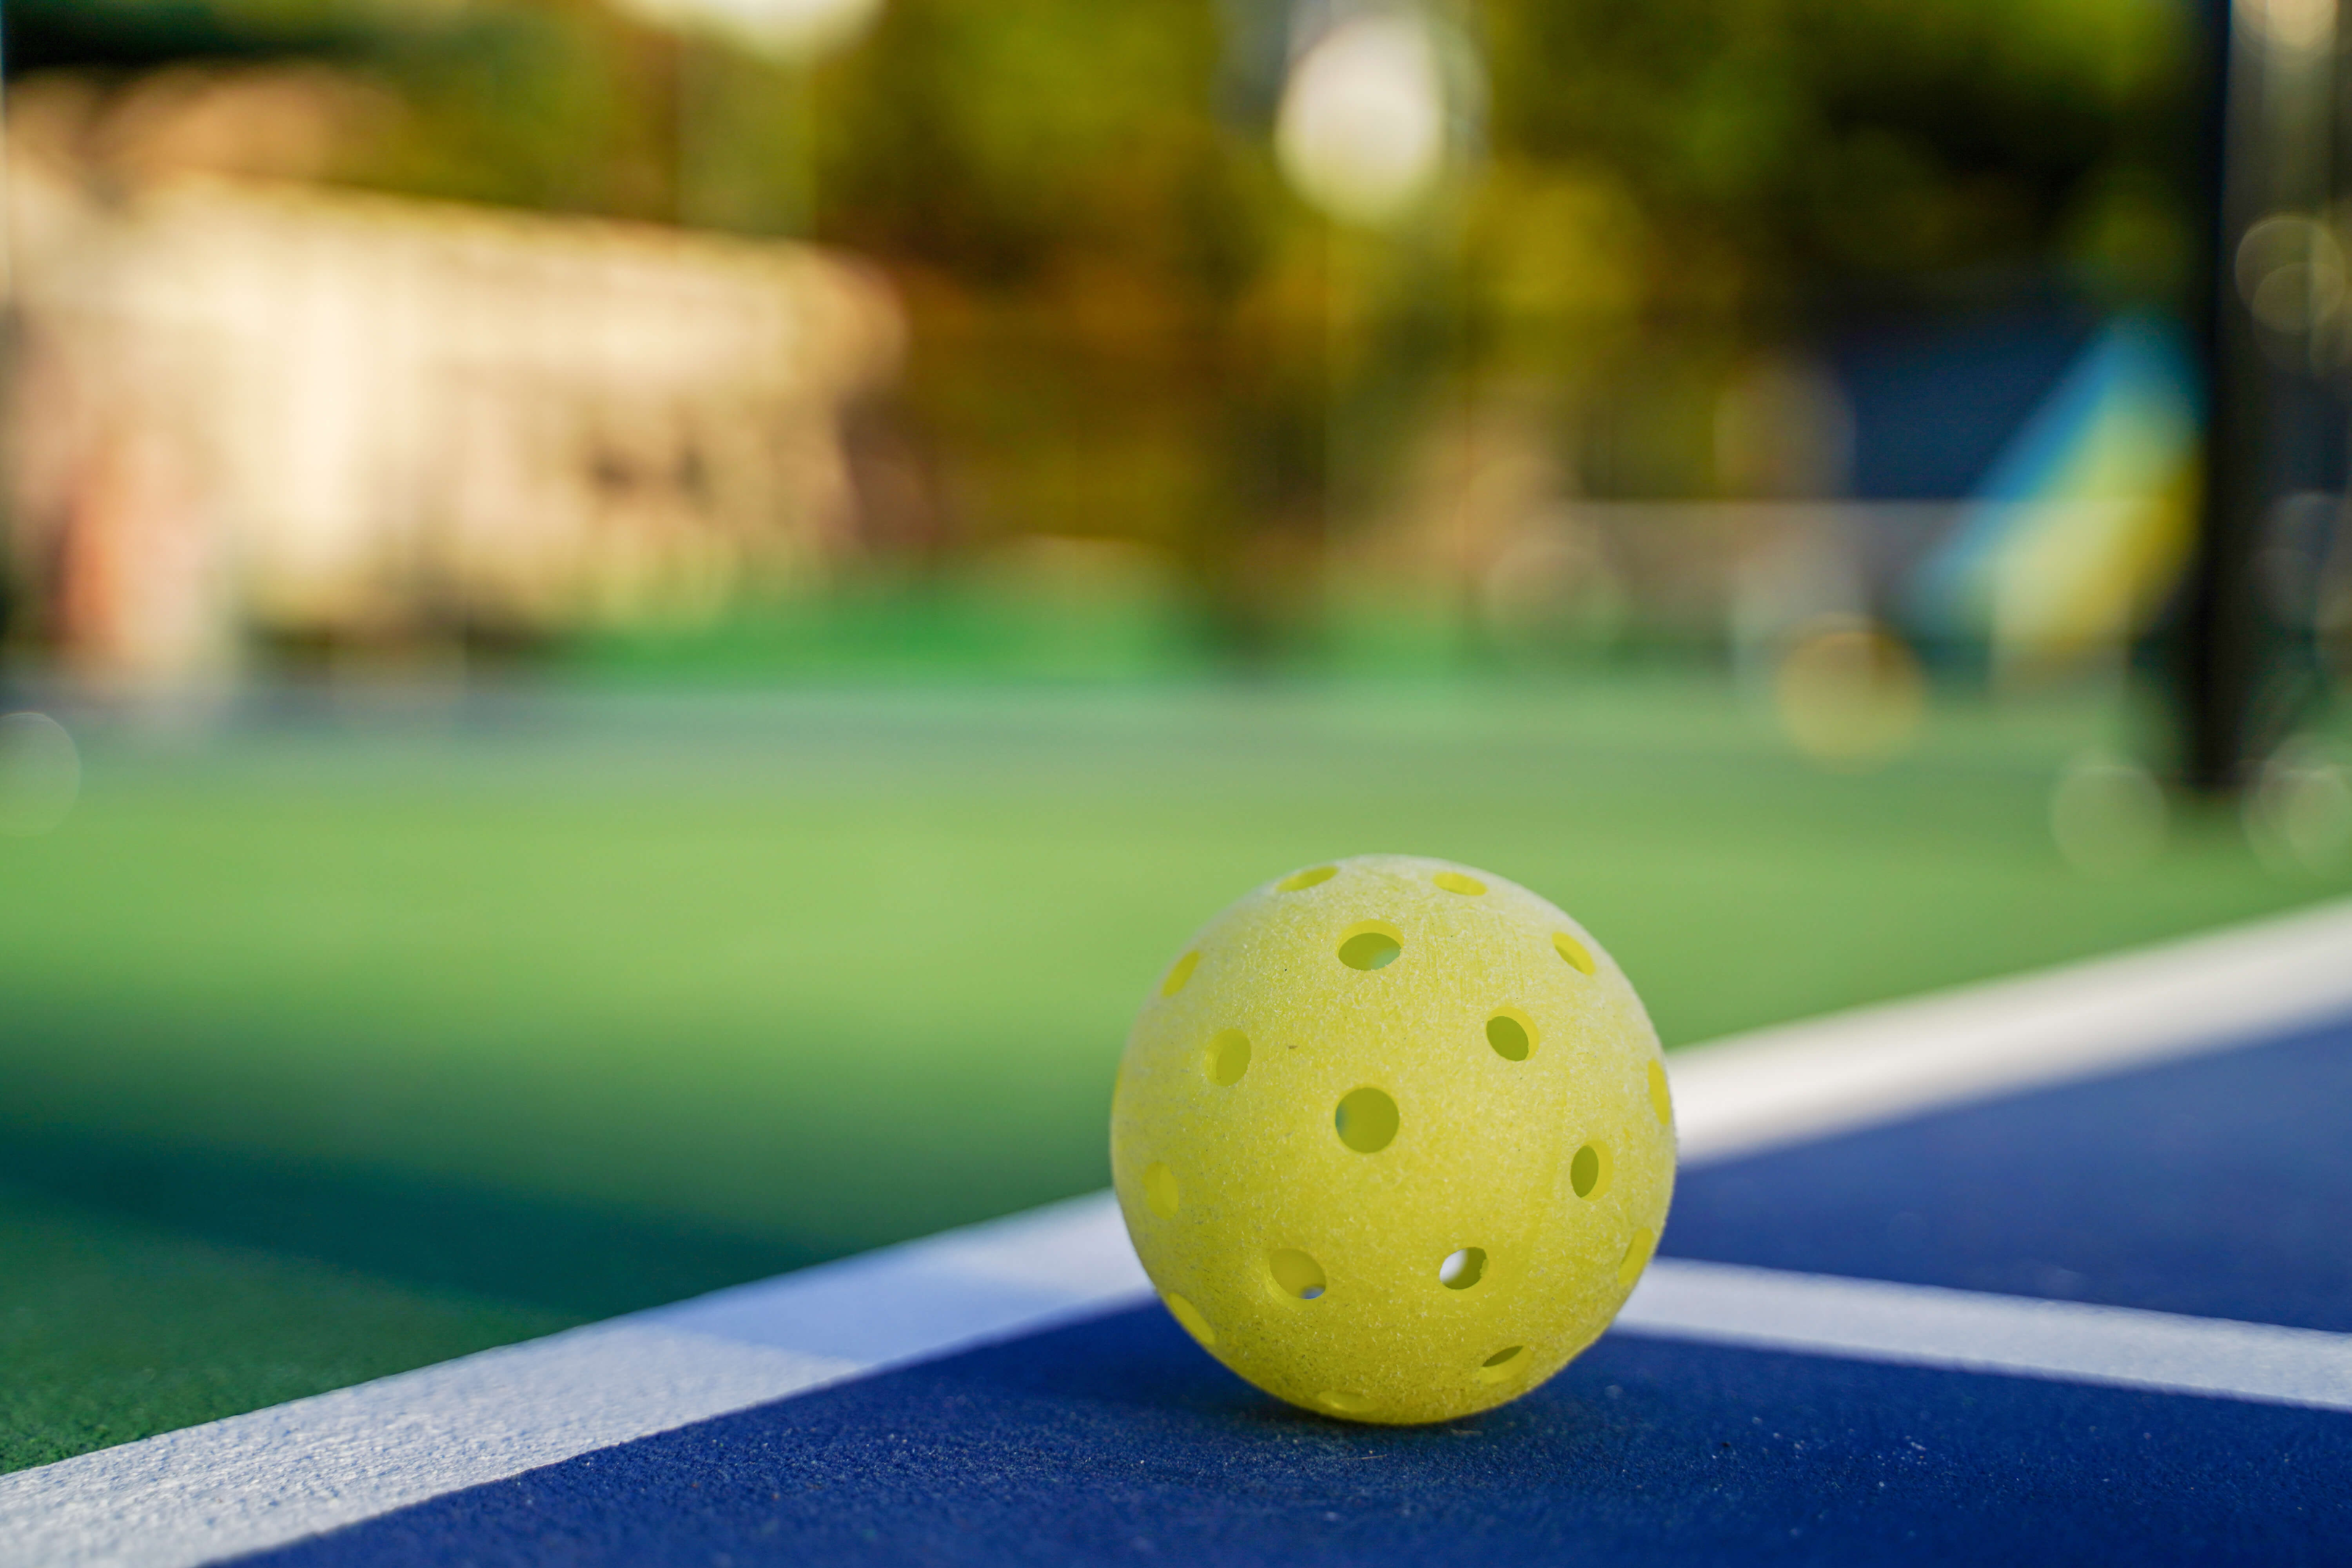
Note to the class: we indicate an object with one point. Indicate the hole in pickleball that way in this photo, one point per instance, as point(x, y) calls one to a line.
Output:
point(1512, 1034)
point(1160, 1191)
point(1344, 1402)
point(1503, 1364)
point(1589, 1170)
point(1637, 1254)
point(1295, 1273)
point(1661, 1101)
point(1372, 946)
point(1367, 1120)
point(1568, 948)
point(1180, 974)
point(1298, 881)
point(1229, 1054)
point(1462, 1269)
point(1455, 882)
point(1189, 1315)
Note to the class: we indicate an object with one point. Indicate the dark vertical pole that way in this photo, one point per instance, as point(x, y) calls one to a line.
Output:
point(2215, 654)
point(2272, 376)
point(9, 338)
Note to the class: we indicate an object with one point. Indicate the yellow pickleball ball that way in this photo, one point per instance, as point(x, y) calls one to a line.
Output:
point(1393, 1138)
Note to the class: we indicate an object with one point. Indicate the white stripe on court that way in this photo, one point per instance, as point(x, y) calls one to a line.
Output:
point(1874, 1065)
point(1968, 1330)
point(274, 1476)
point(277, 1475)
point(924, 1298)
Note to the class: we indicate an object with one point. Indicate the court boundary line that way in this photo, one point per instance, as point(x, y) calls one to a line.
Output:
point(297, 1470)
point(2220, 991)
point(275, 1476)
point(278, 1475)
point(1973, 1330)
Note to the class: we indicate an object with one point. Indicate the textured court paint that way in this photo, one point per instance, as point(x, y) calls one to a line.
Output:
point(1377, 1130)
point(1118, 1442)
point(1874, 1065)
point(276, 1474)
point(1923, 1326)
point(927, 1298)
point(2216, 1186)
point(111, 1331)
point(70, 1511)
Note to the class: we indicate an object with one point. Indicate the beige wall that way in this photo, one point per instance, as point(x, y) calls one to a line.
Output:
point(240, 404)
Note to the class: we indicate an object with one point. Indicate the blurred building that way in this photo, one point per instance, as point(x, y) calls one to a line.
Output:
point(243, 404)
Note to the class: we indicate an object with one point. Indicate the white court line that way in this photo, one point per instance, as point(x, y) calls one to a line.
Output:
point(275, 1476)
point(1874, 1065)
point(1968, 1330)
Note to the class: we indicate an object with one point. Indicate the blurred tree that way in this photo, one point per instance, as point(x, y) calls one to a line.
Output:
point(1823, 140)
point(1127, 326)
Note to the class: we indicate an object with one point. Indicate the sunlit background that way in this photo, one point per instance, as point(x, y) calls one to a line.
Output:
point(628, 631)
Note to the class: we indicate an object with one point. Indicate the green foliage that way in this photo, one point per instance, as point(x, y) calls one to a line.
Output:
point(1814, 138)
point(556, 107)
point(1063, 150)
point(1126, 324)
point(1006, 137)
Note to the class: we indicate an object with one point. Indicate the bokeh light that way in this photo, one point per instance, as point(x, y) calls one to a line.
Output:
point(2298, 816)
point(2108, 814)
point(788, 29)
point(2299, 25)
point(1362, 132)
point(40, 774)
point(2291, 272)
point(1848, 692)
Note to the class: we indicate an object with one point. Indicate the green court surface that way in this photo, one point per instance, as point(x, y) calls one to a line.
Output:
point(341, 1041)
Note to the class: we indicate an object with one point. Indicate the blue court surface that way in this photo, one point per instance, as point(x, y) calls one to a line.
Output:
point(2058, 1269)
